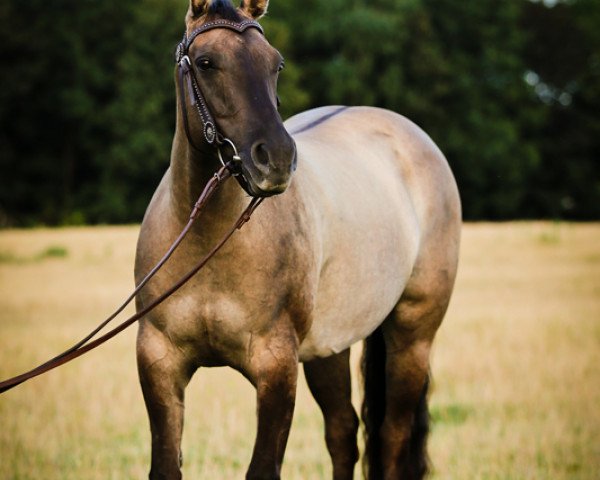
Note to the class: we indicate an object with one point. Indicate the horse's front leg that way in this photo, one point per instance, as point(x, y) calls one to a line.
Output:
point(163, 377)
point(274, 372)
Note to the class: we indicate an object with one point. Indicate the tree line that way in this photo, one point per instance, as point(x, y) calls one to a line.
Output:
point(509, 90)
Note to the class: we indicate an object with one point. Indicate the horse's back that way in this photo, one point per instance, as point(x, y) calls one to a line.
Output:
point(376, 145)
point(384, 202)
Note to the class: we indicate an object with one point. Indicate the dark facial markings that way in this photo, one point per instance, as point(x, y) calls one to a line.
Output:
point(217, 65)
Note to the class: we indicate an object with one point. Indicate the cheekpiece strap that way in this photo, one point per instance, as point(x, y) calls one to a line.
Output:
point(193, 88)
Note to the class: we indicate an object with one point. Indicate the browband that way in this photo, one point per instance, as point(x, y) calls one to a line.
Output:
point(239, 27)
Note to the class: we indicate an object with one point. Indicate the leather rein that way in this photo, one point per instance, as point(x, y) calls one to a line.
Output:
point(232, 168)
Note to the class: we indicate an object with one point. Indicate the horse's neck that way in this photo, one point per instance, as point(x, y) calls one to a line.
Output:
point(190, 172)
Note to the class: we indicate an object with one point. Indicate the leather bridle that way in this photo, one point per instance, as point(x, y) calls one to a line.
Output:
point(187, 76)
point(190, 92)
point(231, 168)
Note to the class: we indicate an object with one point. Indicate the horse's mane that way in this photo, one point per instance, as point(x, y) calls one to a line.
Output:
point(223, 9)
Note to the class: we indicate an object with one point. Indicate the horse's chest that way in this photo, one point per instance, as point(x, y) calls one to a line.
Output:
point(219, 312)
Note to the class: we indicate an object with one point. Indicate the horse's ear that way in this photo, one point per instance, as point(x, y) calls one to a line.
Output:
point(254, 8)
point(198, 7)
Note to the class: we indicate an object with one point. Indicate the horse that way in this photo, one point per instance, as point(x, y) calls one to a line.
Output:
point(357, 240)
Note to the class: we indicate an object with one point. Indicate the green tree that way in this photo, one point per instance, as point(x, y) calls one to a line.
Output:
point(509, 90)
point(455, 68)
point(487, 106)
point(142, 113)
point(563, 57)
point(58, 60)
point(87, 108)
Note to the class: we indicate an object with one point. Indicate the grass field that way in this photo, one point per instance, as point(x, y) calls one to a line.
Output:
point(516, 366)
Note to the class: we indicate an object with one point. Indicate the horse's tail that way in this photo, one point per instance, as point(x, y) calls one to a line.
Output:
point(373, 410)
point(373, 407)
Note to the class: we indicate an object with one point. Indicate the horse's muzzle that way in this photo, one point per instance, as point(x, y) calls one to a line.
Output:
point(269, 171)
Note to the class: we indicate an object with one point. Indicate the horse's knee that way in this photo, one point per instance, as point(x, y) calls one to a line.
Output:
point(341, 426)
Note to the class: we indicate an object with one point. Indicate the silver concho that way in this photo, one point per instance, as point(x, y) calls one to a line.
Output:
point(209, 132)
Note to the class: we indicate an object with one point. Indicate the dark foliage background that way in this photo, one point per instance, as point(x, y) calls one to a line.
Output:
point(509, 90)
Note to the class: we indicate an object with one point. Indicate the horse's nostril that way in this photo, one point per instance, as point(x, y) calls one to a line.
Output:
point(261, 154)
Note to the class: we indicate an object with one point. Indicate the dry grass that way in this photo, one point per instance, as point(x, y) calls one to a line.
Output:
point(516, 365)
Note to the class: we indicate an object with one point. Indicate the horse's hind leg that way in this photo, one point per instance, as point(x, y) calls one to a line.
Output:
point(398, 421)
point(408, 335)
point(163, 378)
point(406, 422)
point(329, 382)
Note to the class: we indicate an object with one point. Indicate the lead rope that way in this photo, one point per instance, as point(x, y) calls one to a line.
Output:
point(83, 346)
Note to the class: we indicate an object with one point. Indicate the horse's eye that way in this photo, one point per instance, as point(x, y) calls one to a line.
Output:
point(204, 64)
point(281, 66)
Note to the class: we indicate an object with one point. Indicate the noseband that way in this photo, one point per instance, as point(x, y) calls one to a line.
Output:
point(186, 76)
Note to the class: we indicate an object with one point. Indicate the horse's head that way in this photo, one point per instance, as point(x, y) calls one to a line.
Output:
point(236, 73)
